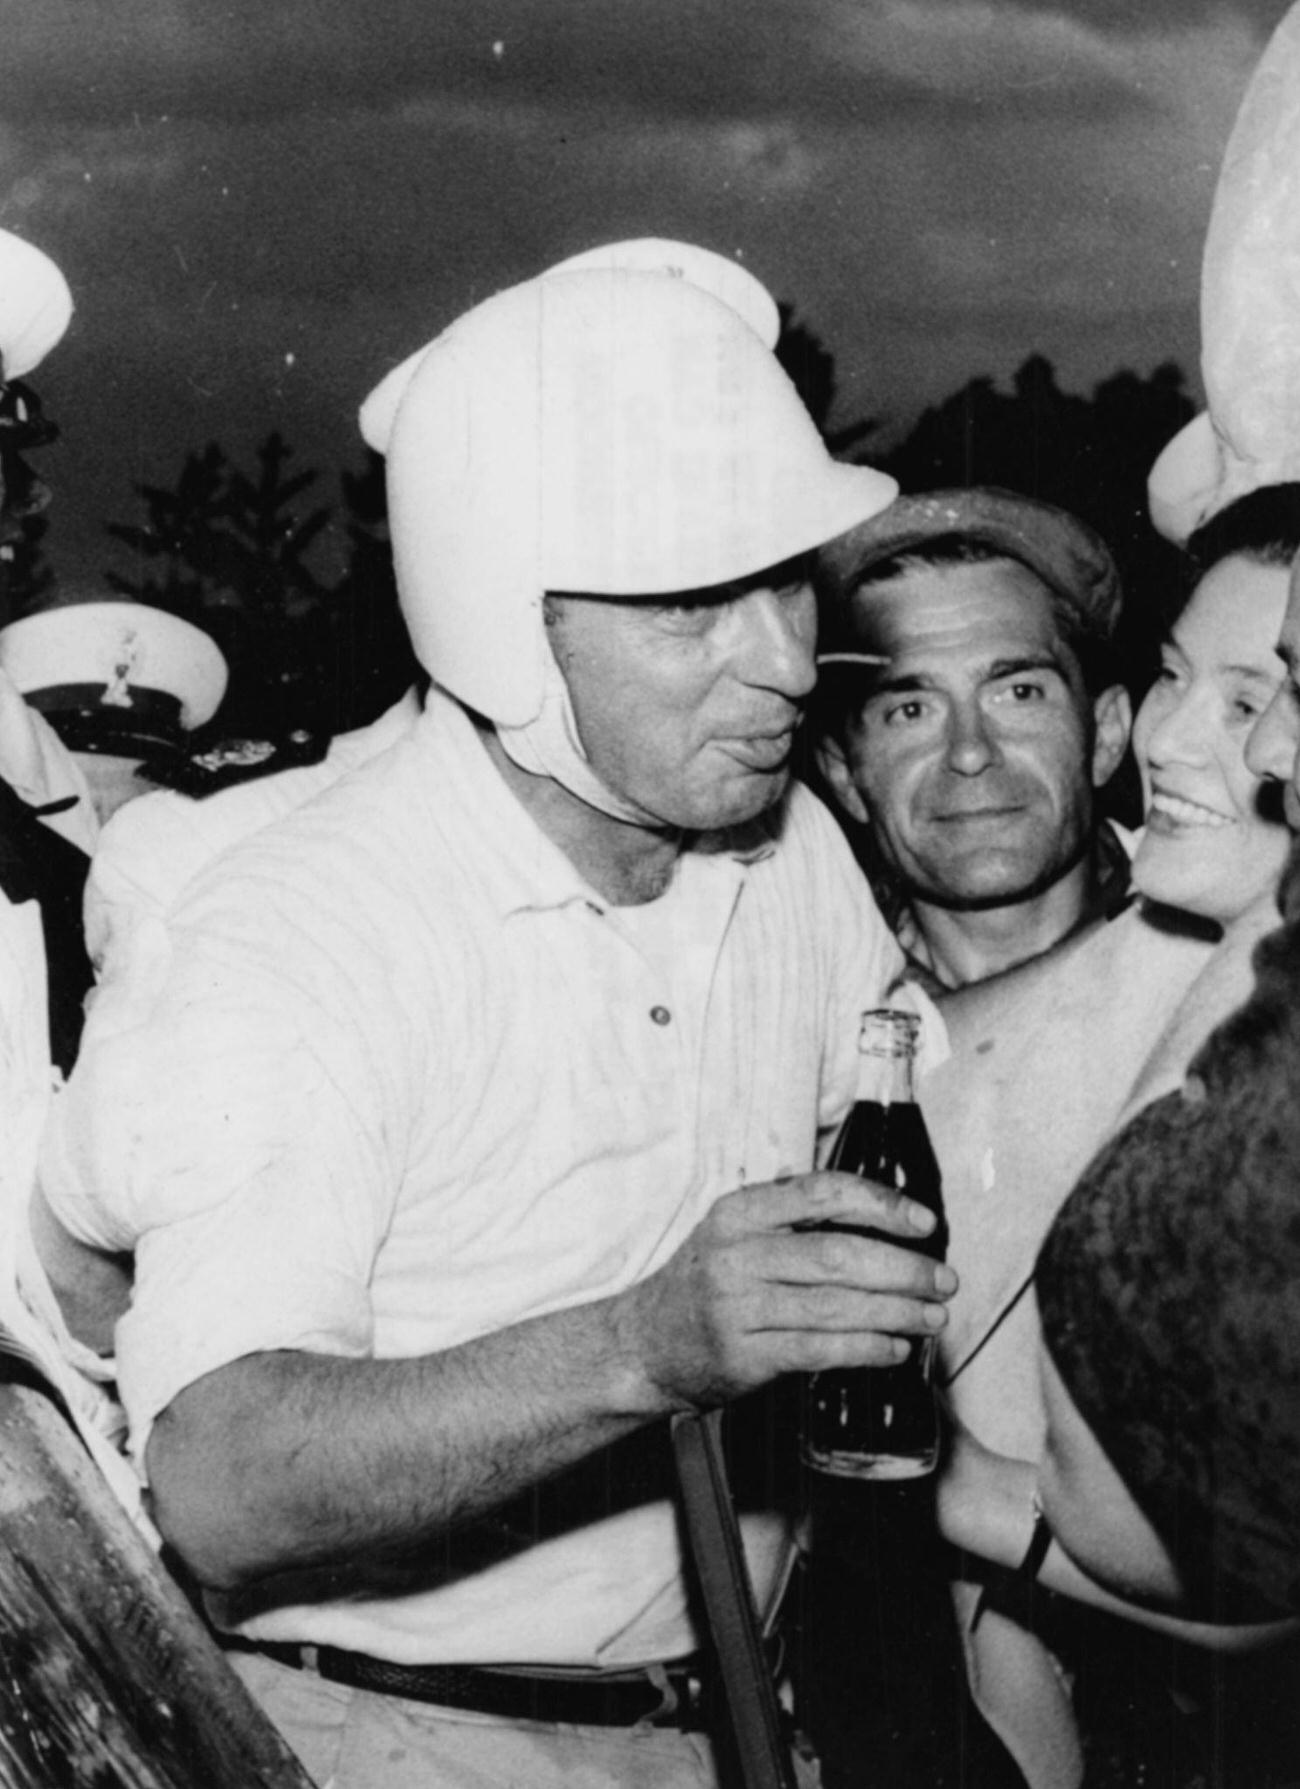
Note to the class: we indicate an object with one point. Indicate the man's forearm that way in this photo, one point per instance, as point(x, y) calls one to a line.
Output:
point(287, 1461)
point(283, 1461)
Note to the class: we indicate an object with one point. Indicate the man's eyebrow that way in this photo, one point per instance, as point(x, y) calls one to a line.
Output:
point(1013, 667)
point(901, 683)
point(907, 682)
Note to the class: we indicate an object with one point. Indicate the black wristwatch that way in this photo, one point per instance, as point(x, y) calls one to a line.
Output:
point(1040, 1540)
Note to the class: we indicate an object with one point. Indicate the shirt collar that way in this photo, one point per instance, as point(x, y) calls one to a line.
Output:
point(1112, 854)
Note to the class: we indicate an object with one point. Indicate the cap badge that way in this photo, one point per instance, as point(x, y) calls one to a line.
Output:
point(116, 692)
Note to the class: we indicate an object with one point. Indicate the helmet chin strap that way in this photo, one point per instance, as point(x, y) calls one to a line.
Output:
point(549, 745)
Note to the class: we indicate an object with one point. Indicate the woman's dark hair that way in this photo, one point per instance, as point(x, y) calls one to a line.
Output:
point(1263, 525)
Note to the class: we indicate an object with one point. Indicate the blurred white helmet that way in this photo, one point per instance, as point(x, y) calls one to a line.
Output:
point(608, 429)
point(1247, 436)
point(35, 306)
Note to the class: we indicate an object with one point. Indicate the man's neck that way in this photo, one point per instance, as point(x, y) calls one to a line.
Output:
point(626, 863)
point(967, 945)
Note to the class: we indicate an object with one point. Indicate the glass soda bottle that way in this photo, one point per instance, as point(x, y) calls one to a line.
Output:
point(883, 1422)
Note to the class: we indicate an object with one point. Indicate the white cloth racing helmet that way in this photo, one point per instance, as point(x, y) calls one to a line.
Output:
point(610, 427)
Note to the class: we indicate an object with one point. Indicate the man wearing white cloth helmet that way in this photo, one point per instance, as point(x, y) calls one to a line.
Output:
point(465, 1122)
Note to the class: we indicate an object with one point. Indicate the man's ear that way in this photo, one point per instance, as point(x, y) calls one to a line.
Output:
point(1112, 717)
point(834, 766)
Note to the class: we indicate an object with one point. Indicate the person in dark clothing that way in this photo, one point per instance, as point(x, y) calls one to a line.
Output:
point(38, 864)
point(1170, 1294)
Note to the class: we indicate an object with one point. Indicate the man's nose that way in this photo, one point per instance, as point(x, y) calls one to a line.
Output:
point(972, 746)
point(1274, 739)
point(778, 648)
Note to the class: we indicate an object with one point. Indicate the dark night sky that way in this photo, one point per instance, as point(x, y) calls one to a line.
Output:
point(261, 206)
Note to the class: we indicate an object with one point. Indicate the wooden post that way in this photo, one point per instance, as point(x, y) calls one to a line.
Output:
point(107, 1676)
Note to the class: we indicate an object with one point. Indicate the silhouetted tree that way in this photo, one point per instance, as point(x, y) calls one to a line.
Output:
point(811, 368)
point(1090, 454)
point(370, 650)
point(230, 553)
point(233, 554)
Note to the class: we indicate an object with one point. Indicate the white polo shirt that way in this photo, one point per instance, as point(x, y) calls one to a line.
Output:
point(393, 1075)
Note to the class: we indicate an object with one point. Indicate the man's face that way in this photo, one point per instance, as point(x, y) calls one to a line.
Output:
point(1273, 749)
point(972, 755)
point(113, 781)
point(687, 706)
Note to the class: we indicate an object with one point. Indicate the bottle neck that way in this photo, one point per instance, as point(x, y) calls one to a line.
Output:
point(886, 1050)
point(885, 1080)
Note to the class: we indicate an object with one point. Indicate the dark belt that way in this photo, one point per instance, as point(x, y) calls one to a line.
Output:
point(662, 1696)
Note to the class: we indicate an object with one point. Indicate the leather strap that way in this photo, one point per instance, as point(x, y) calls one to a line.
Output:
point(763, 1757)
point(668, 1696)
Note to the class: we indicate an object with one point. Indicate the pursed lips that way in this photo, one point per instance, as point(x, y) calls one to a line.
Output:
point(761, 750)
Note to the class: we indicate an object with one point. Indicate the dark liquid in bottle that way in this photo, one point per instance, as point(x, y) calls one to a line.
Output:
point(881, 1422)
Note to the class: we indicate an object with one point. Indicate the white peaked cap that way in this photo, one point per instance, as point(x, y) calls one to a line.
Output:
point(1249, 434)
point(95, 666)
point(602, 429)
point(35, 306)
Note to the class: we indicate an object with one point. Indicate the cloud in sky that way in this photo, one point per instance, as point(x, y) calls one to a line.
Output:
point(244, 58)
point(261, 207)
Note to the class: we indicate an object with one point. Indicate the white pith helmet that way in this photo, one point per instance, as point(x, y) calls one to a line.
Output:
point(35, 306)
point(600, 428)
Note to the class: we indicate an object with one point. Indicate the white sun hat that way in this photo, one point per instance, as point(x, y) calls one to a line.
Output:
point(1249, 434)
point(605, 429)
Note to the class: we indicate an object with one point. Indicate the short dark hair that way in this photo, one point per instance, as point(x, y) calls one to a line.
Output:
point(1264, 525)
point(1092, 651)
point(941, 549)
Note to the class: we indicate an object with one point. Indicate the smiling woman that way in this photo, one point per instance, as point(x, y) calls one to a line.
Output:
point(1214, 839)
point(1090, 1034)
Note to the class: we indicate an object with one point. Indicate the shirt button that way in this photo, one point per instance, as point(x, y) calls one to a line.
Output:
point(660, 1015)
